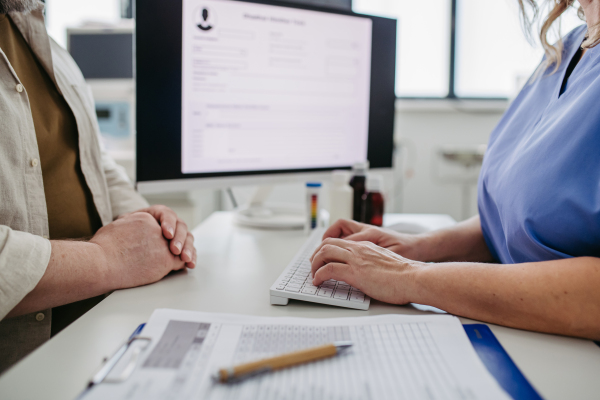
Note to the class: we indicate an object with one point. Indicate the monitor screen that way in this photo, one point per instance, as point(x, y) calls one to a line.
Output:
point(236, 88)
point(272, 88)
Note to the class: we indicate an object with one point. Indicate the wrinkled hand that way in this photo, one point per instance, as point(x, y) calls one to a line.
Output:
point(135, 251)
point(181, 242)
point(378, 272)
point(399, 243)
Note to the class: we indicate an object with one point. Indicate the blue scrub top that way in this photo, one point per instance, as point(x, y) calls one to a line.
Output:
point(539, 188)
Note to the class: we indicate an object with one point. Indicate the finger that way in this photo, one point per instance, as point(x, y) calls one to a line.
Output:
point(330, 253)
point(337, 271)
point(192, 264)
point(336, 242)
point(166, 217)
point(343, 228)
point(368, 235)
point(187, 254)
point(168, 222)
point(179, 241)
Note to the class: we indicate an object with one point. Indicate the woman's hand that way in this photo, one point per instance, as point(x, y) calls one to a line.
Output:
point(376, 271)
point(400, 243)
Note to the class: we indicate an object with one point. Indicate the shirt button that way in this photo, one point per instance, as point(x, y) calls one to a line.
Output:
point(20, 88)
point(34, 162)
point(40, 317)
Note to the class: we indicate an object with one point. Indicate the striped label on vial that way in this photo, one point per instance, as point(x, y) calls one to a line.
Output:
point(313, 211)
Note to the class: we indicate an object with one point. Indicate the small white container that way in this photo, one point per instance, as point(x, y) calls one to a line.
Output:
point(340, 197)
point(313, 203)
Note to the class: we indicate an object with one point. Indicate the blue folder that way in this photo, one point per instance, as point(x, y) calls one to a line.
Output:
point(499, 363)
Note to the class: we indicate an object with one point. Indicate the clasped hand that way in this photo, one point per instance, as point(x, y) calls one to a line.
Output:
point(364, 257)
point(142, 247)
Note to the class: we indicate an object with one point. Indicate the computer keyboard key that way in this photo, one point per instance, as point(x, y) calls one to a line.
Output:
point(328, 285)
point(309, 290)
point(358, 297)
point(343, 286)
point(292, 289)
point(325, 292)
point(341, 295)
point(280, 287)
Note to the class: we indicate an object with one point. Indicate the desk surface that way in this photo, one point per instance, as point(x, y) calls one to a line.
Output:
point(236, 267)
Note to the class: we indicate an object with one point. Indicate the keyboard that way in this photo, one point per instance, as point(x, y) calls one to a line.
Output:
point(295, 282)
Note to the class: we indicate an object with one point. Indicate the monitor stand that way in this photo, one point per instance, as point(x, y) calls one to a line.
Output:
point(258, 214)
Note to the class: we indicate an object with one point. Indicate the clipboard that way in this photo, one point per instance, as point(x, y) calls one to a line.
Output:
point(488, 348)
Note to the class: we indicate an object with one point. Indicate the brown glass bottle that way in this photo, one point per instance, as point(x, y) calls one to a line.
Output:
point(374, 209)
point(358, 183)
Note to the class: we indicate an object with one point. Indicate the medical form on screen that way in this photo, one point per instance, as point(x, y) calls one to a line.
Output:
point(273, 88)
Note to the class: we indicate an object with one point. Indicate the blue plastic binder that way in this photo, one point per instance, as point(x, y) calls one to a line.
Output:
point(499, 363)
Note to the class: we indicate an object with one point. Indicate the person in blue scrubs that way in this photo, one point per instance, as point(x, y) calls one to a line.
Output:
point(531, 258)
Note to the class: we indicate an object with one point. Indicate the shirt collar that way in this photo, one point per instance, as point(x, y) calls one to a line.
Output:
point(33, 29)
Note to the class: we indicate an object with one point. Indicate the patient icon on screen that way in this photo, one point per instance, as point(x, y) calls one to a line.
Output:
point(204, 19)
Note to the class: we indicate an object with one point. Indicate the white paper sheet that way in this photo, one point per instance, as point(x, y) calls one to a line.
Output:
point(393, 357)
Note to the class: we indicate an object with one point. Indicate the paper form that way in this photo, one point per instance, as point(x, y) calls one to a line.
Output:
point(393, 357)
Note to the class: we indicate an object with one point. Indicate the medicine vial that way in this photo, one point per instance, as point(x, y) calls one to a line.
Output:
point(374, 203)
point(359, 172)
point(313, 191)
point(341, 197)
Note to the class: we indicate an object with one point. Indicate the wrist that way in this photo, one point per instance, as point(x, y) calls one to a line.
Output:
point(108, 277)
point(418, 247)
point(413, 281)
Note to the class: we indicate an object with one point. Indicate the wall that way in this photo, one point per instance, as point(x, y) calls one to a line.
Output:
point(420, 132)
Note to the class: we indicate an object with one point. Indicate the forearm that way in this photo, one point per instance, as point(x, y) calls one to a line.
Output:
point(76, 271)
point(560, 297)
point(462, 242)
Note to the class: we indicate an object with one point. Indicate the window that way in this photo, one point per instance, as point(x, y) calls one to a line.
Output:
point(492, 55)
point(63, 14)
point(423, 43)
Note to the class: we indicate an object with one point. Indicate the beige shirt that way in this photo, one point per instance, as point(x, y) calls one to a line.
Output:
point(24, 246)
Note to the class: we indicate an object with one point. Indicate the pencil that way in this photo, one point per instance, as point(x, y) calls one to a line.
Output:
point(242, 371)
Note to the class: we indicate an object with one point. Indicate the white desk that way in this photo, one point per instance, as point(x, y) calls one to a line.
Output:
point(236, 267)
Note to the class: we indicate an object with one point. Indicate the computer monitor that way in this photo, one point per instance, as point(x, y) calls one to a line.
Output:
point(236, 92)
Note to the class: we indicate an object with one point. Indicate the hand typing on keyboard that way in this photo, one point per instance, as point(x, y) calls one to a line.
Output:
point(376, 271)
point(414, 247)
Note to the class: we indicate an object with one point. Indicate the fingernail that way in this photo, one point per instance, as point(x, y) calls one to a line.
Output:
point(188, 253)
point(171, 231)
point(178, 245)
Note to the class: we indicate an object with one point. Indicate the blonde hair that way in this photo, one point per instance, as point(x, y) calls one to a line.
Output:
point(557, 9)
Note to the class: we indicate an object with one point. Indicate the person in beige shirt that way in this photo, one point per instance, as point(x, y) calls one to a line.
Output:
point(71, 225)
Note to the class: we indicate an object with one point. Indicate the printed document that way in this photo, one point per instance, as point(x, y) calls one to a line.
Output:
point(393, 357)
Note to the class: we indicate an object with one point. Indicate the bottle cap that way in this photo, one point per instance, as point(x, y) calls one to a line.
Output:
point(361, 168)
point(313, 184)
point(374, 184)
point(340, 177)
